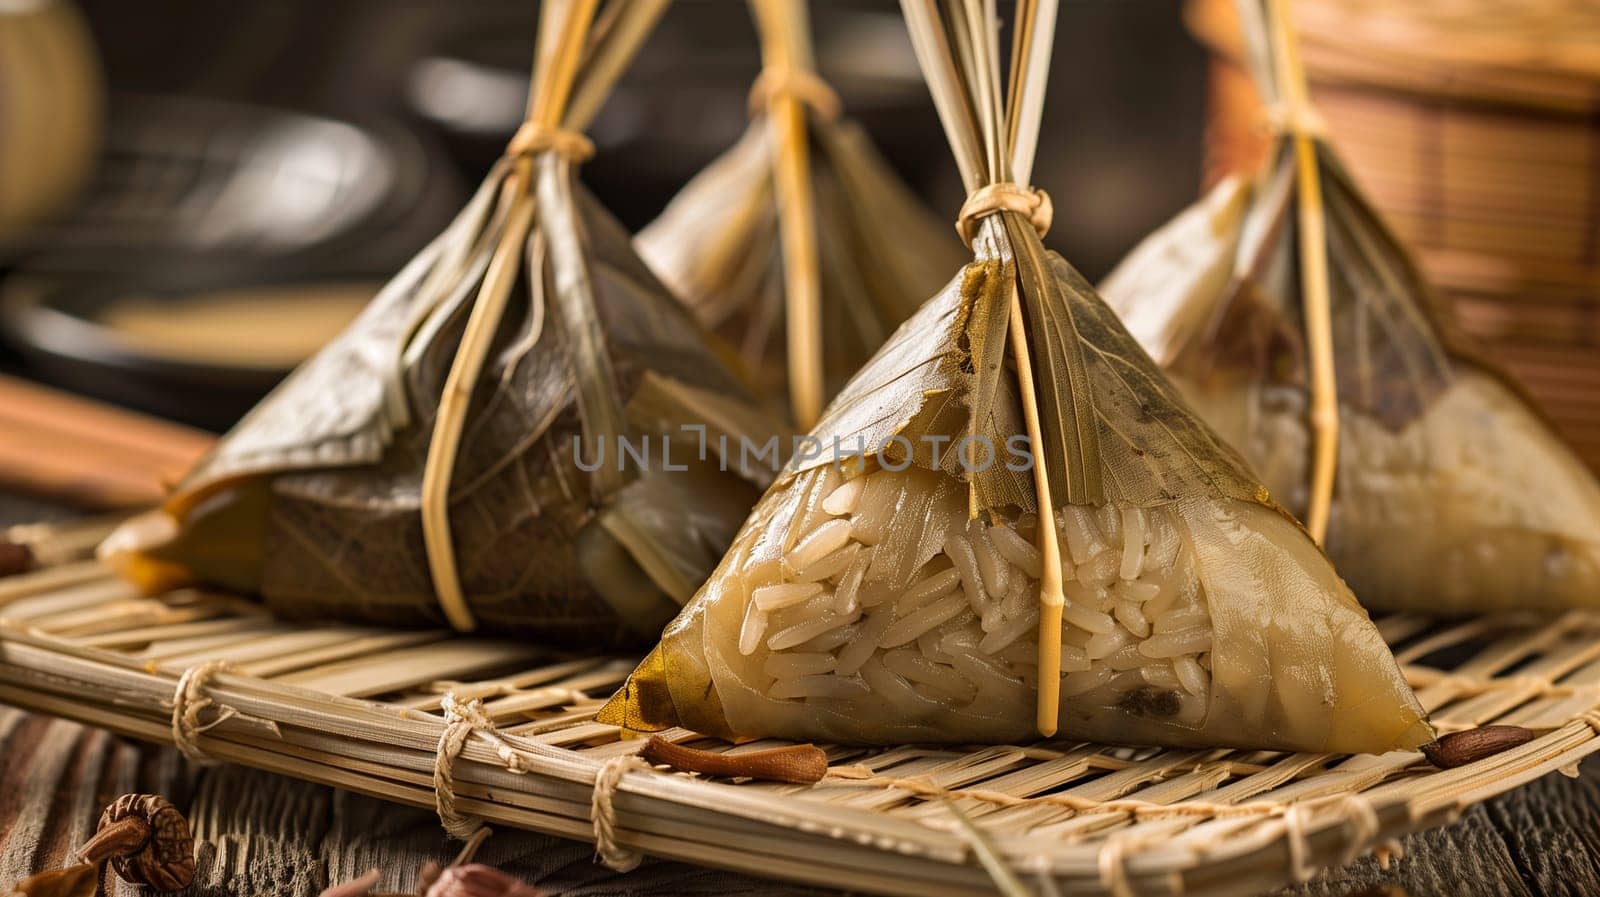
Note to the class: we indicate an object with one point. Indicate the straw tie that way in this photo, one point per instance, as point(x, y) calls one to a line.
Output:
point(603, 813)
point(1289, 118)
point(461, 720)
point(1362, 821)
point(1294, 831)
point(189, 701)
point(532, 139)
point(1031, 202)
point(1114, 866)
point(804, 86)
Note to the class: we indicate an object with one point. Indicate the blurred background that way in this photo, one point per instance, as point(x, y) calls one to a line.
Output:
point(262, 166)
point(194, 195)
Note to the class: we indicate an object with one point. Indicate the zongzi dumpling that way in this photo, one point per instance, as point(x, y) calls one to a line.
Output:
point(1450, 494)
point(800, 244)
point(864, 604)
point(520, 433)
point(903, 586)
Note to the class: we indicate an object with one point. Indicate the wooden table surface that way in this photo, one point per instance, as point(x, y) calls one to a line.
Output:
point(258, 834)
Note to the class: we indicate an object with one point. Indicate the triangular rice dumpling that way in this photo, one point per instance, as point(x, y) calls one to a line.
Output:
point(859, 253)
point(897, 595)
point(1440, 488)
point(457, 455)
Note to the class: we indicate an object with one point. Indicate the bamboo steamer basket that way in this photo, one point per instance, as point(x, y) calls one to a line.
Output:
point(1474, 126)
point(51, 109)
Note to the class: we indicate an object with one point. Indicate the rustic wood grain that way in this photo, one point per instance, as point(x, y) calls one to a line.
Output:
point(1539, 841)
point(258, 834)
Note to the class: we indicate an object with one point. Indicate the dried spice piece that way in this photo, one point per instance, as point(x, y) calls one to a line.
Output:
point(14, 558)
point(74, 881)
point(801, 764)
point(355, 887)
point(146, 840)
point(1461, 748)
point(478, 880)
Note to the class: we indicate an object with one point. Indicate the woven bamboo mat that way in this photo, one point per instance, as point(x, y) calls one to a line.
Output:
point(364, 709)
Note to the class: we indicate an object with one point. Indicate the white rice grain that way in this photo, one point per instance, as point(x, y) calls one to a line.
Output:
point(825, 686)
point(1195, 680)
point(1126, 657)
point(1104, 644)
point(923, 619)
point(1084, 618)
point(832, 640)
point(1187, 618)
point(1176, 644)
point(819, 543)
point(1138, 590)
point(1074, 660)
point(773, 597)
point(1101, 570)
point(919, 669)
point(846, 596)
point(959, 551)
point(896, 690)
point(1086, 680)
point(830, 566)
point(801, 632)
point(1159, 674)
point(1083, 533)
point(988, 675)
point(1133, 532)
point(844, 499)
point(796, 663)
point(996, 571)
point(752, 629)
point(935, 585)
point(963, 640)
point(1009, 631)
point(854, 654)
point(1019, 551)
point(1131, 617)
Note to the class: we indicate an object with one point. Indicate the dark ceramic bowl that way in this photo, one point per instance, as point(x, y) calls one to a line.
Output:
point(76, 333)
point(197, 197)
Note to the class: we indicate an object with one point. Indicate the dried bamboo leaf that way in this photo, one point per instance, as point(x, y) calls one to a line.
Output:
point(1452, 493)
point(316, 500)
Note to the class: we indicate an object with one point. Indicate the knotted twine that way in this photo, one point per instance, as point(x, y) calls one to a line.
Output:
point(189, 701)
point(1030, 202)
point(1291, 119)
point(531, 139)
point(462, 720)
point(804, 86)
point(603, 813)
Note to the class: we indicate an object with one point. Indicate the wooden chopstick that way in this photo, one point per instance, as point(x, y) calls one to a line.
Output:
point(87, 453)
